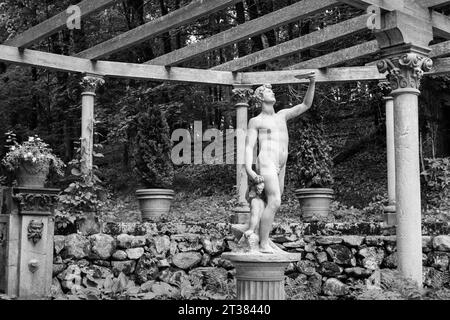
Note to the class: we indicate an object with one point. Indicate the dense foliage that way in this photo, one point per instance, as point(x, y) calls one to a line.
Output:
point(153, 149)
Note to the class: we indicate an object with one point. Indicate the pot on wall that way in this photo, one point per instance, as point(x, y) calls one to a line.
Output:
point(314, 202)
point(154, 203)
point(31, 175)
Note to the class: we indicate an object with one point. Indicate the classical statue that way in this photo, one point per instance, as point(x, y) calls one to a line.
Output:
point(267, 180)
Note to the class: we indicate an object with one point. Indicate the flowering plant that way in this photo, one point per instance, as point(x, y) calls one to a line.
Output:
point(35, 152)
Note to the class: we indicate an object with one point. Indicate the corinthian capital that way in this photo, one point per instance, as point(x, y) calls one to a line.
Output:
point(405, 71)
point(90, 83)
point(242, 94)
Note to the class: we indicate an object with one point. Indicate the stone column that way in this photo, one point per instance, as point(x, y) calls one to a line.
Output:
point(89, 83)
point(406, 66)
point(389, 211)
point(241, 95)
point(260, 276)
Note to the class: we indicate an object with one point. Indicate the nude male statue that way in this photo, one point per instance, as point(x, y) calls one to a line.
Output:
point(270, 129)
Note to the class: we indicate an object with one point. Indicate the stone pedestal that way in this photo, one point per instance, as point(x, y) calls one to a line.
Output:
point(26, 242)
point(260, 276)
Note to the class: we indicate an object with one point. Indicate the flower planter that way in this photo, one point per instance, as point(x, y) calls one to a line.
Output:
point(154, 203)
point(314, 203)
point(30, 175)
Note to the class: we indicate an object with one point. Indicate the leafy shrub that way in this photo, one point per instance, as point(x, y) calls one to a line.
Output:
point(153, 151)
point(436, 182)
point(311, 157)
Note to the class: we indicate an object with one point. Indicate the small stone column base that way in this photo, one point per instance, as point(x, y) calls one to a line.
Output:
point(260, 276)
point(390, 215)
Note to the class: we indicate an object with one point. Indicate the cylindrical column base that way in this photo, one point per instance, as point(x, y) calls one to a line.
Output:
point(260, 276)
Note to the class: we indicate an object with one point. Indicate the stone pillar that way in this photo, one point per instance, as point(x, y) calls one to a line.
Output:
point(406, 65)
point(241, 95)
point(260, 276)
point(389, 211)
point(27, 224)
point(89, 83)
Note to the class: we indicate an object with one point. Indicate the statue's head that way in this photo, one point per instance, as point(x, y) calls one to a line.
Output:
point(264, 94)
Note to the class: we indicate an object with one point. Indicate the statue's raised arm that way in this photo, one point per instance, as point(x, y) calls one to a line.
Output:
point(297, 110)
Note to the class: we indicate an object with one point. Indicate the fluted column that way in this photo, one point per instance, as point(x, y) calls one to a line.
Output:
point(389, 211)
point(241, 96)
point(89, 83)
point(405, 68)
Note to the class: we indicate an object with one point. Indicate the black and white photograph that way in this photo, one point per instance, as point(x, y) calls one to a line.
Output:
point(215, 158)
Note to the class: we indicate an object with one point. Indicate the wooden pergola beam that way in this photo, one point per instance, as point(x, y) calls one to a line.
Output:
point(339, 57)
point(390, 5)
point(333, 32)
point(193, 11)
point(440, 50)
point(434, 3)
point(55, 24)
point(53, 61)
point(441, 24)
point(244, 31)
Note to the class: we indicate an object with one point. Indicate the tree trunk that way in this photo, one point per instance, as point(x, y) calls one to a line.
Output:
point(166, 36)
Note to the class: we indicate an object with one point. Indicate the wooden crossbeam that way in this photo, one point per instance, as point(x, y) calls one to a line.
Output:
point(390, 5)
point(55, 24)
point(434, 3)
point(160, 73)
point(193, 11)
point(440, 50)
point(338, 57)
point(244, 31)
point(333, 32)
point(441, 24)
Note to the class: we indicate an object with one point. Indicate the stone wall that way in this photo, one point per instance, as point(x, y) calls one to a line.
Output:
point(333, 255)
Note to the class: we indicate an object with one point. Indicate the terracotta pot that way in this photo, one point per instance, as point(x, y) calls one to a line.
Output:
point(315, 203)
point(154, 203)
point(30, 175)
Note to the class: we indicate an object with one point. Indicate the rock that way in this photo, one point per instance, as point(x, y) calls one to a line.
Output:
point(112, 228)
point(330, 269)
point(56, 289)
point(310, 256)
point(162, 244)
point(353, 241)
point(295, 244)
point(427, 244)
point(119, 255)
point(311, 248)
point(219, 262)
point(187, 260)
point(211, 277)
point(163, 263)
point(206, 260)
point(57, 269)
point(138, 241)
point(189, 246)
point(102, 263)
point(439, 260)
point(124, 241)
point(282, 238)
point(174, 278)
point(315, 283)
point(358, 272)
point(334, 287)
point(58, 243)
point(189, 237)
point(128, 227)
point(218, 246)
point(375, 241)
point(321, 257)
point(306, 267)
point(327, 240)
point(146, 268)
point(97, 272)
point(162, 289)
point(71, 277)
point(341, 255)
point(102, 246)
point(88, 225)
point(82, 263)
point(372, 257)
point(135, 253)
point(391, 261)
point(76, 246)
point(127, 267)
point(442, 243)
point(173, 248)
